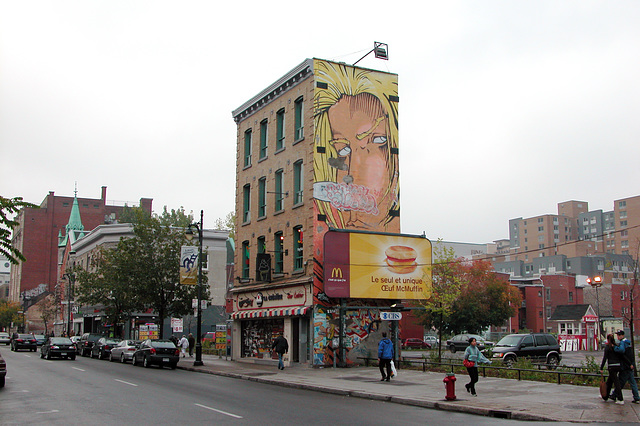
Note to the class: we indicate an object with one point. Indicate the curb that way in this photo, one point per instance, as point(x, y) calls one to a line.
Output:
point(438, 405)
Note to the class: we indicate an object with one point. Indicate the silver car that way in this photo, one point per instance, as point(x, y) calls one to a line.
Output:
point(5, 338)
point(123, 352)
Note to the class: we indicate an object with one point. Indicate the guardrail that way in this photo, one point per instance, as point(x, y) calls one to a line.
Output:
point(552, 369)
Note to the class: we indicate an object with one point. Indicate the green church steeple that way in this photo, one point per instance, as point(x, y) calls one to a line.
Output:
point(75, 223)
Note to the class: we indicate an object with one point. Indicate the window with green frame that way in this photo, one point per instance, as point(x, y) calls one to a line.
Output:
point(246, 203)
point(280, 129)
point(245, 259)
point(298, 252)
point(263, 139)
point(278, 242)
point(247, 148)
point(298, 120)
point(297, 182)
point(262, 245)
point(278, 191)
point(262, 197)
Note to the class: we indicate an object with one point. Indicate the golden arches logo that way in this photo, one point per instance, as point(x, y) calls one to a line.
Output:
point(336, 273)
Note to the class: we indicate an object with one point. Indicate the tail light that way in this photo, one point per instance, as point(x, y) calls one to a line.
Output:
point(107, 347)
point(177, 352)
point(153, 351)
point(19, 340)
point(131, 349)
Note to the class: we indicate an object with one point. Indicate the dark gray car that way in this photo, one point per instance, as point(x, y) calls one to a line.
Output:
point(540, 347)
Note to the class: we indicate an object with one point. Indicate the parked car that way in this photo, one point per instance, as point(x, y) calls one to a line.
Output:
point(5, 338)
point(432, 341)
point(102, 348)
point(86, 342)
point(59, 347)
point(23, 341)
point(39, 339)
point(158, 352)
point(3, 371)
point(541, 347)
point(415, 344)
point(460, 342)
point(123, 352)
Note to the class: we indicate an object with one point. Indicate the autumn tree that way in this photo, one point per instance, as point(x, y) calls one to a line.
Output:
point(9, 207)
point(8, 313)
point(227, 224)
point(48, 310)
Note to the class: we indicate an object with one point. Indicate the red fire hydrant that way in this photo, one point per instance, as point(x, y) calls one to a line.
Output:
point(450, 386)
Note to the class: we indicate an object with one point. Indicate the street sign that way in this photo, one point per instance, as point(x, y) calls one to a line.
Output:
point(391, 316)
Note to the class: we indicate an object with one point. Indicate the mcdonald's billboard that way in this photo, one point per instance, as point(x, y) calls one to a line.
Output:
point(376, 265)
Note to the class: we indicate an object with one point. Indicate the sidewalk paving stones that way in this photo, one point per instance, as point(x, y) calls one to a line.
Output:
point(502, 398)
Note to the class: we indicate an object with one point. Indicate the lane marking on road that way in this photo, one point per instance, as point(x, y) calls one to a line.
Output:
point(220, 411)
point(79, 369)
point(47, 412)
point(126, 383)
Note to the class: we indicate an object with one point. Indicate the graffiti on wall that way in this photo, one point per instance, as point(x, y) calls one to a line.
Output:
point(359, 324)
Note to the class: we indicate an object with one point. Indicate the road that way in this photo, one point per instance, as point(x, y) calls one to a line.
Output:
point(90, 391)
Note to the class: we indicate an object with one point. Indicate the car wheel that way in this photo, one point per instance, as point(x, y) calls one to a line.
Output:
point(110, 357)
point(145, 362)
point(42, 355)
point(122, 360)
point(133, 361)
point(173, 366)
point(552, 362)
point(452, 348)
point(509, 361)
point(2, 382)
point(72, 357)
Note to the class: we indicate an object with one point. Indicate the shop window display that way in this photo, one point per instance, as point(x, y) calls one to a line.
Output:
point(258, 336)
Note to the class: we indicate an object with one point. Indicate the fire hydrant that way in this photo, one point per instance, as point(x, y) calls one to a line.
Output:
point(450, 386)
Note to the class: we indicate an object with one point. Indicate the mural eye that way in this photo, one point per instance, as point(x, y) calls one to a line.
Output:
point(343, 149)
point(379, 139)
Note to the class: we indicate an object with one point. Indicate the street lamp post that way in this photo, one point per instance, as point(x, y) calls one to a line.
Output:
point(189, 235)
point(596, 282)
point(71, 277)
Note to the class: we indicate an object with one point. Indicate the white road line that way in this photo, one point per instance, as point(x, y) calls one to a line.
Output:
point(219, 411)
point(47, 412)
point(126, 383)
point(79, 369)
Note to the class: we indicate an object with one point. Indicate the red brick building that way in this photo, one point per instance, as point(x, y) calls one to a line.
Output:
point(37, 237)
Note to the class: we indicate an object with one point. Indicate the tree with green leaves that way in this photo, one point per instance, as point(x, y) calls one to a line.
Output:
point(227, 224)
point(446, 286)
point(8, 313)
point(141, 272)
point(9, 207)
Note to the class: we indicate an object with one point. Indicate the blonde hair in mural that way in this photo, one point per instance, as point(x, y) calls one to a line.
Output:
point(351, 191)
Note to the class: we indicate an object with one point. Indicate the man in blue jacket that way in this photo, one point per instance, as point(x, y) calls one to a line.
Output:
point(629, 367)
point(385, 355)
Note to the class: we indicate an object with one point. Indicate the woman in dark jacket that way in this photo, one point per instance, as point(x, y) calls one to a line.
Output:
point(615, 366)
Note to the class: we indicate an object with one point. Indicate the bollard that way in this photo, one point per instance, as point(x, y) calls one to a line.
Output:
point(450, 386)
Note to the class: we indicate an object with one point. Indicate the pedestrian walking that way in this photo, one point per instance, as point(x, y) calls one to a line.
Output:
point(628, 368)
point(192, 343)
point(385, 355)
point(281, 346)
point(473, 357)
point(614, 361)
point(184, 344)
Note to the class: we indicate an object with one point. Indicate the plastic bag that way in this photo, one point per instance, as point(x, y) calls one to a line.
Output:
point(394, 372)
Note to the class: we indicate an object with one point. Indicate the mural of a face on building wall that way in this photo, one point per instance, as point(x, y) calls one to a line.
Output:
point(356, 161)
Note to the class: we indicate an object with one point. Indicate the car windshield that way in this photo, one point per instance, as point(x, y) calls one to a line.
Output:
point(60, 341)
point(25, 336)
point(509, 341)
point(111, 341)
point(39, 336)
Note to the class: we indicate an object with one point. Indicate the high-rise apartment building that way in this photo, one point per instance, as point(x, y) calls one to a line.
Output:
point(316, 151)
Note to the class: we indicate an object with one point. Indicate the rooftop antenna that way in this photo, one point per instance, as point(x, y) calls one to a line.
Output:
point(381, 51)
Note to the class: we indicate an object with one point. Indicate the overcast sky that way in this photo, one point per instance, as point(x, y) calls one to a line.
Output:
point(506, 107)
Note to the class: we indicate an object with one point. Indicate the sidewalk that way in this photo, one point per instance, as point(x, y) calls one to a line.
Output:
point(502, 398)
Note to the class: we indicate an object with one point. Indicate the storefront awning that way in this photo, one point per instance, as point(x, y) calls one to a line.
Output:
point(265, 313)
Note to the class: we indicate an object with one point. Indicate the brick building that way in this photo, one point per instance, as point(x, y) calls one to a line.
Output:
point(38, 235)
point(316, 151)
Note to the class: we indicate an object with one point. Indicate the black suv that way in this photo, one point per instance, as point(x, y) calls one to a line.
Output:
point(539, 347)
point(86, 342)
